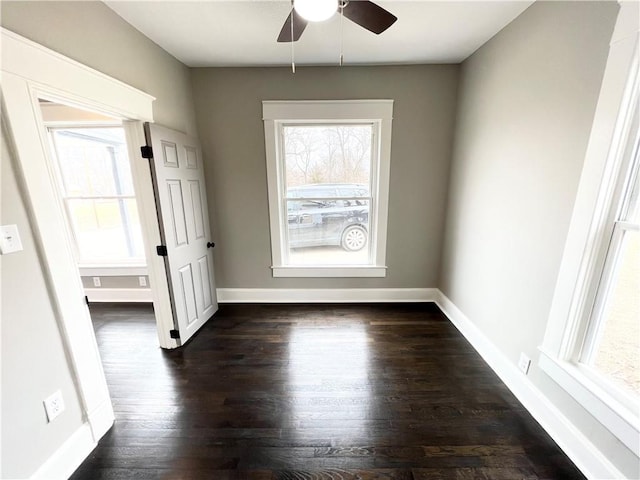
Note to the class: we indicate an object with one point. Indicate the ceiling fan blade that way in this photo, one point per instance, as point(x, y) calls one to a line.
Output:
point(369, 15)
point(299, 24)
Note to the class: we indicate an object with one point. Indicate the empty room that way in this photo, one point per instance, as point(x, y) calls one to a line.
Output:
point(320, 239)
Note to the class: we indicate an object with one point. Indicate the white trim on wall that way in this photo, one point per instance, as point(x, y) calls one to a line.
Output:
point(116, 295)
point(68, 457)
point(113, 271)
point(584, 257)
point(30, 72)
point(325, 295)
point(573, 442)
point(31, 61)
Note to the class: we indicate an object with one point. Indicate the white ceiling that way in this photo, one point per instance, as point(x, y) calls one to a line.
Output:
point(243, 32)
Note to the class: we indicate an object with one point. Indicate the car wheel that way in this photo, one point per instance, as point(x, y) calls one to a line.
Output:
point(354, 238)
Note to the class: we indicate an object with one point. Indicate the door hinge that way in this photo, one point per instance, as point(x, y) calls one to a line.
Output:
point(174, 334)
point(146, 151)
point(86, 300)
point(161, 250)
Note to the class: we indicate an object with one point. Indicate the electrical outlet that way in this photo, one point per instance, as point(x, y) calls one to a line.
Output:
point(524, 363)
point(96, 282)
point(54, 405)
point(142, 281)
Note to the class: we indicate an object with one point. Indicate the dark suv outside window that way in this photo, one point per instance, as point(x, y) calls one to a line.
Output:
point(328, 214)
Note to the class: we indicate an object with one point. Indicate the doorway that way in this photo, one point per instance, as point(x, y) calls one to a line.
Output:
point(94, 183)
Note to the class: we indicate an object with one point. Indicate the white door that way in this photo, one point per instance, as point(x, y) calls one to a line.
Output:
point(181, 199)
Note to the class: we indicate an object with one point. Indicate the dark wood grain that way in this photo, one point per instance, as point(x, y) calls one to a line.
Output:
point(305, 392)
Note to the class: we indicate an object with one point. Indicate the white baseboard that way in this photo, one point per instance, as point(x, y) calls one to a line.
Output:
point(69, 456)
point(78, 446)
point(574, 443)
point(118, 294)
point(325, 295)
point(101, 419)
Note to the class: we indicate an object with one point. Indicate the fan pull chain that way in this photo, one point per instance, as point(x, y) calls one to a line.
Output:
point(293, 60)
point(341, 33)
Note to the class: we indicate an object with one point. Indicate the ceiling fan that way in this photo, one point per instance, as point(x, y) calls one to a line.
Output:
point(363, 12)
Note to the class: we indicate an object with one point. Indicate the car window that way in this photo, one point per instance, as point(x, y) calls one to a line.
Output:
point(321, 192)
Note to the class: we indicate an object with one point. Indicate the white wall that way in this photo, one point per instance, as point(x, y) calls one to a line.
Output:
point(34, 364)
point(526, 105)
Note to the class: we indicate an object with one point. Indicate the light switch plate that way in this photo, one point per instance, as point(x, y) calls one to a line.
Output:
point(9, 239)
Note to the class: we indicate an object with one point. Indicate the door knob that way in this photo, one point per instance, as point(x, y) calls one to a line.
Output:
point(210, 244)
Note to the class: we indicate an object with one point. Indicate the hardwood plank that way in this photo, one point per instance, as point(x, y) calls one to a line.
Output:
point(268, 392)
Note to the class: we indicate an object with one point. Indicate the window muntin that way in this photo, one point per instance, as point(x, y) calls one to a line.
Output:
point(97, 190)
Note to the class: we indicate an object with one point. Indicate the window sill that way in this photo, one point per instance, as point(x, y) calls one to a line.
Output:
point(597, 401)
point(329, 272)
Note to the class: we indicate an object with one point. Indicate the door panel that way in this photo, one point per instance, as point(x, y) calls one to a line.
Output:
point(205, 276)
point(192, 157)
point(177, 212)
point(196, 201)
point(188, 294)
point(170, 154)
point(181, 200)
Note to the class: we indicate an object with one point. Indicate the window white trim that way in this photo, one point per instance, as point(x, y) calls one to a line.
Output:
point(135, 270)
point(590, 394)
point(378, 112)
point(324, 272)
point(586, 246)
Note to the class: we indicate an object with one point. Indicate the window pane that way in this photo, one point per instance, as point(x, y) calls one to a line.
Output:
point(327, 154)
point(107, 230)
point(325, 162)
point(328, 233)
point(93, 161)
point(617, 351)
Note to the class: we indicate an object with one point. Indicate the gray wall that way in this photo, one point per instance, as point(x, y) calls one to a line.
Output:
point(229, 115)
point(96, 36)
point(33, 358)
point(526, 104)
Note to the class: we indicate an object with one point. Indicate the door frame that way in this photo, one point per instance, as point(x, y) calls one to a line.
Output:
point(30, 71)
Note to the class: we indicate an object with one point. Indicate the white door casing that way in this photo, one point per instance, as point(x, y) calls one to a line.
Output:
point(182, 204)
point(30, 71)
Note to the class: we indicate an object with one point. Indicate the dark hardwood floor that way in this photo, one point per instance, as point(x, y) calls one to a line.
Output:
point(389, 391)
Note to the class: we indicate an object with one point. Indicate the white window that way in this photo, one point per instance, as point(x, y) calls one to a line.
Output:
point(328, 180)
point(97, 191)
point(592, 343)
point(611, 347)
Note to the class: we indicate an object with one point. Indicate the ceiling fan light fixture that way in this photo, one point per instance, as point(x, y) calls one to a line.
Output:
point(315, 10)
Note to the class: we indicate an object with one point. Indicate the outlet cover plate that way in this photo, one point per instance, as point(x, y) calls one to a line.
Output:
point(54, 405)
point(524, 363)
point(9, 239)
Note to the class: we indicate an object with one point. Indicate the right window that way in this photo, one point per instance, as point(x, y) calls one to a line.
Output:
point(611, 347)
point(591, 347)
